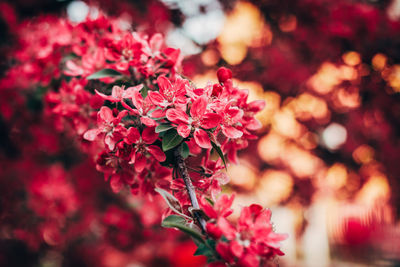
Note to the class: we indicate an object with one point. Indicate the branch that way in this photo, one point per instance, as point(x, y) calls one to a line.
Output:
point(181, 166)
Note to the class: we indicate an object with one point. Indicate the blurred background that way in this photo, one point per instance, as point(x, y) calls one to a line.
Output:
point(326, 162)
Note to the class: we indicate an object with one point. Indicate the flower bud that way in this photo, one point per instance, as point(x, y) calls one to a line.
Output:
point(213, 231)
point(217, 89)
point(224, 74)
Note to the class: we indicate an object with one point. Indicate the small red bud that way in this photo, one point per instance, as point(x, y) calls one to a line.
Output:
point(217, 89)
point(115, 112)
point(224, 74)
point(213, 231)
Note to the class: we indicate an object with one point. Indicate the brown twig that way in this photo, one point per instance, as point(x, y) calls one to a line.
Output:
point(182, 169)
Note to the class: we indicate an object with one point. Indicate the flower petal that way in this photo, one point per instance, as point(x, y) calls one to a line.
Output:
point(140, 162)
point(110, 142)
point(90, 135)
point(235, 114)
point(106, 97)
point(120, 115)
point(253, 124)
point(199, 107)
point(236, 248)
point(164, 84)
point(148, 122)
point(105, 115)
point(177, 116)
point(202, 139)
point(132, 136)
point(149, 135)
point(231, 132)
point(213, 231)
point(137, 99)
point(227, 229)
point(157, 153)
point(130, 91)
point(249, 260)
point(210, 120)
point(117, 92)
point(256, 106)
point(156, 98)
point(183, 130)
point(180, 89)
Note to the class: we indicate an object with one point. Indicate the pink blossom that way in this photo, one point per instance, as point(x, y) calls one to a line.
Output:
point(251, 240)
point(200, 119)
point(169, 93)
point(143, 147)
point(109, 126)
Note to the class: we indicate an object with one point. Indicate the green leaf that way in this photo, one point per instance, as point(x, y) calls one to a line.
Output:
point(70, 56)
point(184, 150)
point(219, 151)
point(203, 249)
point(171, 139)
point(160, 118)
point(103, 74)
point(144, 91)
point(175, 221)
point(209, 200)
point(207, 249)
point(163, 127)
point(171, 201)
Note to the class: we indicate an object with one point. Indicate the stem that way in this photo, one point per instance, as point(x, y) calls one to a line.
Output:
point(181, 166)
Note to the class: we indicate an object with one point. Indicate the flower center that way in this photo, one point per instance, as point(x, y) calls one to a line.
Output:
point(141, 147)
point(244, 238)
point(127, 53)
point(108, 128)
point(228, 120)
point(169, 95)
point(196, 122)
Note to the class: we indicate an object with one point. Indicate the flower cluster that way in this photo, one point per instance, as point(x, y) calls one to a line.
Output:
point(252, 242)
point(119, 96)
point(145, 124)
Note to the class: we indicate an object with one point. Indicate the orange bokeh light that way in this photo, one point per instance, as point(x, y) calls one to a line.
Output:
point(363, 154)
point(274, 186)
point(242, 175)
point(336, 176)
point(379, 61)
point(351, 58)
point(307, 106)
point(285, 123)
point(244, 27)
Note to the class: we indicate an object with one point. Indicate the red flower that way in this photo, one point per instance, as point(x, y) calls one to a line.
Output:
point(126, 51)
point(143, 147)
point(250, 109)
point(143, 108)
point(90, 63)
point(118, 94)
point(108, 125)
point(169, 94)
point(200, 119)
point(231, 116)
point(221, 208)
point(251, 240)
